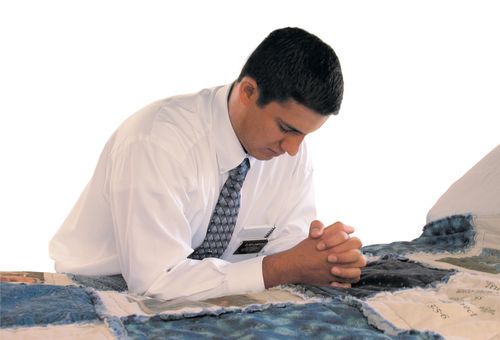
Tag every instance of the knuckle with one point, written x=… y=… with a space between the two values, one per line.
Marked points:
x=334 y=240
x=338 y=225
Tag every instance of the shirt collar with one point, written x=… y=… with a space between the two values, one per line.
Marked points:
x=228 y=148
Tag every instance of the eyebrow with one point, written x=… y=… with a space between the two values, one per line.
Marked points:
x=289 y=127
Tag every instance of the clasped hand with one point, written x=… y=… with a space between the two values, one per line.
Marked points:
x=343 y=251
x=336 y=259
x=329 y=256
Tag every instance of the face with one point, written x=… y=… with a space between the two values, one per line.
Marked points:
x=270 y=131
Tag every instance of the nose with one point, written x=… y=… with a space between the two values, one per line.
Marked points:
x=291 y=143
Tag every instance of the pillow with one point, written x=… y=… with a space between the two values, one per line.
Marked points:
x=477 y=192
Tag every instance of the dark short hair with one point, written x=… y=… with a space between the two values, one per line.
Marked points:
x=294 y=64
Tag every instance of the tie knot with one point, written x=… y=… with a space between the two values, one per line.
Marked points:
x=239 y=173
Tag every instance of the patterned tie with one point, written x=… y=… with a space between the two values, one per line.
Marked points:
x=221 y=226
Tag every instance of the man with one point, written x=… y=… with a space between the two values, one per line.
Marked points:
x=211 y=194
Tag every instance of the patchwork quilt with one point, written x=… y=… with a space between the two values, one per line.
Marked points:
x=444 y=284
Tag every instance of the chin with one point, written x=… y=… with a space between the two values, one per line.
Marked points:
x=264 y=156
x=267 y=158
x=261 y=156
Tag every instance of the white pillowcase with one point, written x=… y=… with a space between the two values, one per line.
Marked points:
x=477 y=192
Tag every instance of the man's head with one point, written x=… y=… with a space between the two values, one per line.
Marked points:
x=287 y=89
x=294 y=64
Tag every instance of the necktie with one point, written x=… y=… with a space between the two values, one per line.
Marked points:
x=223 y=220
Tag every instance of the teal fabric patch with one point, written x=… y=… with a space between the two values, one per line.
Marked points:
x=487 y=261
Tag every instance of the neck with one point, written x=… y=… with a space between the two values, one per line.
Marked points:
x=235 y=110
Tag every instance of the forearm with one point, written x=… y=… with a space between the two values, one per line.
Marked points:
x=300 y=264
x=210 y=278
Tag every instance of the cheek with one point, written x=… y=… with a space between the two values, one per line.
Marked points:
x=262 y=132
x=273 y=134
x=263 y=136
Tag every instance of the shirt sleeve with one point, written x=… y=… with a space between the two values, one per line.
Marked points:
x=148 y=195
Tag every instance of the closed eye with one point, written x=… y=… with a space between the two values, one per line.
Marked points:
x=285 y=128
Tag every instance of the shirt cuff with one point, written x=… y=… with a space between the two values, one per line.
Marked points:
x=245 y=277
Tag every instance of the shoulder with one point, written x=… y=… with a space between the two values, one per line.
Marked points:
x=176 y=124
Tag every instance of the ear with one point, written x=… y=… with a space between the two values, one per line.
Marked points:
x=248 y=91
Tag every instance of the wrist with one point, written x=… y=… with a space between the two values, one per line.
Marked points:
x=276 y=270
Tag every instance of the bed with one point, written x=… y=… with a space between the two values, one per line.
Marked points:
x=443 y=284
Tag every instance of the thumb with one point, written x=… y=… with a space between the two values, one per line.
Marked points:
x=316 y=229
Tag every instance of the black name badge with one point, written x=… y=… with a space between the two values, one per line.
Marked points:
x=250 y=247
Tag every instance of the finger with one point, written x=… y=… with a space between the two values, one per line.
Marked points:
x=352 y=257
x=351 y=243
x=341 y=226
x=334 y=234
x=359 y=263
x=349 y=275
x=316 y=229
x=340 y=284
x=332 y=239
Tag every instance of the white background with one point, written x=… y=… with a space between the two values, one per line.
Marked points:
x=421 y=99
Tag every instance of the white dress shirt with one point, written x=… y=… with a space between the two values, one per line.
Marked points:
x=149 y=203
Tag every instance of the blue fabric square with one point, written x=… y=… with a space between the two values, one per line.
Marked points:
x=335 y=320
x=452 y=234
x=40 y=305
